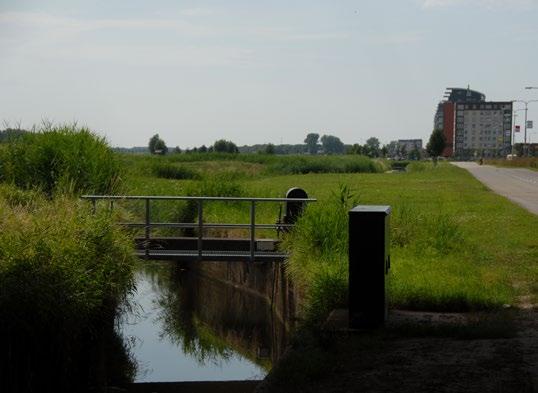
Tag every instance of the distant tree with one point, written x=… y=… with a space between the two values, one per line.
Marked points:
x=372 y=146
x=393 y=149
x=436 y=145
x=414 y=154
x=224 y=146
x=311 y=141
x=177 y=150
x=332 y=144
x=355 y=149
x=11 y=133
x=202 y=149
x=384 y=151
x=269 y=149
x=157 y=145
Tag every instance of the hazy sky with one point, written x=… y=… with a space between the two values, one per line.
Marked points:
x=256 y=72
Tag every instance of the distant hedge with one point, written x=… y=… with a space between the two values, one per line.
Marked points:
x=64 y=159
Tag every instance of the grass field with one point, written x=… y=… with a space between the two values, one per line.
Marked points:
x=455 y=245
x=520 y=162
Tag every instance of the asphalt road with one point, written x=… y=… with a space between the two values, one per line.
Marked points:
x=517 y=184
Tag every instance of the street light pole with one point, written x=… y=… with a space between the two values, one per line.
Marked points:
x=525 y=147
x=513 y=141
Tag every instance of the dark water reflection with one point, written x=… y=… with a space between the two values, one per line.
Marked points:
x=186 y=327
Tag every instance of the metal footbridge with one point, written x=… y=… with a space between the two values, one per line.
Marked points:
x=193 y=244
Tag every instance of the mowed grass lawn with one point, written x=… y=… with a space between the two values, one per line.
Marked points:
x=455 y=244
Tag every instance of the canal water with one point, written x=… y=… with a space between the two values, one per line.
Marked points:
x=184 y=327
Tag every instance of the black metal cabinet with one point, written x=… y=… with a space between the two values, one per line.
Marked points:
x=369 y=263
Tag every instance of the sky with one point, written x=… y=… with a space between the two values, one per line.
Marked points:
x=258 y=72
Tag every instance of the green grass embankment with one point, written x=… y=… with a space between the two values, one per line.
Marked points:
x=455 y=245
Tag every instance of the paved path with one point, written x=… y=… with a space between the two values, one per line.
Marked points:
x=518 y=184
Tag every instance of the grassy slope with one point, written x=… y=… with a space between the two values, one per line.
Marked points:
x=459 y=245
x=494 y=251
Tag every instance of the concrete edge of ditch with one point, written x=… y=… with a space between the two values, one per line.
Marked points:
x=191 y=387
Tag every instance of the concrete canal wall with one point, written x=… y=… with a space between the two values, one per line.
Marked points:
x=266 y=280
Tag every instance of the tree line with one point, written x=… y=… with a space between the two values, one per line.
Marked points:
x=313 y=144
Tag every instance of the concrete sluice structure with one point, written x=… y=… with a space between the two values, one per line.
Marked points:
x=250 y=306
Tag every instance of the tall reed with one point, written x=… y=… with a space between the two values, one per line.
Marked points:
x=62 y=159
x=63 y=273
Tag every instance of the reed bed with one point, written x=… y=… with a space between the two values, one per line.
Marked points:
x=61 y=159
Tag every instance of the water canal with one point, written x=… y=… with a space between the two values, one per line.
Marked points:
x=184 y=326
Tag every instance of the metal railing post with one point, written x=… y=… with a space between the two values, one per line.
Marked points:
x=200 y=228
x=147 y=227
x=252 y=229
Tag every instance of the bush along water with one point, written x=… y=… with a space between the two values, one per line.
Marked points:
x=62 y=278
x=63 y=159
x=318 y=247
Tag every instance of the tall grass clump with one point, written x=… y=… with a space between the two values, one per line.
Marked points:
x=290 y=165
x=63 y=274
x=319 y=247
x=63 y=159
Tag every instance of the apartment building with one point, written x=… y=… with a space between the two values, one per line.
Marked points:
x=474 y=127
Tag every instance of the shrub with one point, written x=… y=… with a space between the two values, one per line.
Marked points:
x=63 y=272
x=61 y=159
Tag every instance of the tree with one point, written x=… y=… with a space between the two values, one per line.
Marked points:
x=269 y=149
x=384 y=151
x=414 y=154
x=202 y=149
x=393 y=149
x=372 y=147
x=311 y=141
x=224 y=146
x=157 y=145
x=436 y=144
x=177 y=150
x=403 y=151
x=11 y=133
x=332 y=144
x=354 y=149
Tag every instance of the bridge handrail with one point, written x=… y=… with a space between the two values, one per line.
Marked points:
x=147 y=225
x=196 y=198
